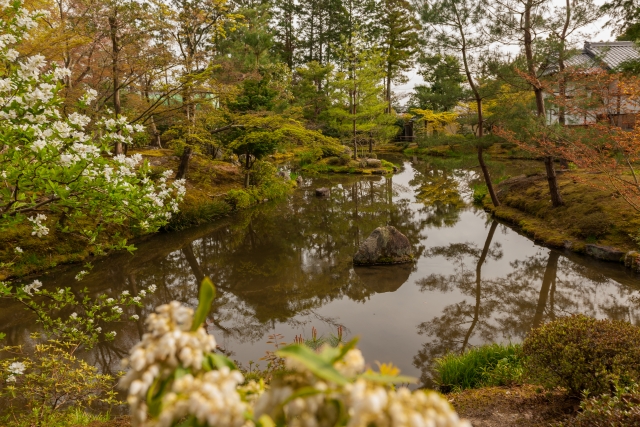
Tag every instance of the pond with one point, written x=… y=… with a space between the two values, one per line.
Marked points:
x=285 y=267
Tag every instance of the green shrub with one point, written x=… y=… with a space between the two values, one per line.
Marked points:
x=333 y=161
x=581 y=353
x=239 y=199
x=475 y=367
x=508 y=371
x=309 y=156
x=331 y=150
x=433 y=141
x=621 y=409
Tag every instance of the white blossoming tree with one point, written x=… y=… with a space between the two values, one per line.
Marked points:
x=54 y=173
x=176 y=379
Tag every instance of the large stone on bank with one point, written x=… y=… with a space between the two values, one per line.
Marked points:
x=322 y=192
x=385 y=245
x=374 y=163
x=607 y=253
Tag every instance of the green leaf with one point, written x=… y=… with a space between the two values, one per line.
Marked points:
x=265 y=421
x=345 y=348
x=312 y=361
x=303 y=392
x=218 y=361
x=207 y=294
x=387 y=379
x=154 y=395
x=189 y=422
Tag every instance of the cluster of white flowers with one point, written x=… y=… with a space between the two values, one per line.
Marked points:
x=168 y=344
x=38 y=228
x=32 y=287
x=211 y=397
x=372 y=404
x=18 y=250
x=216 y=398
x=15 y=368
x=81 y=275
x=45 y=152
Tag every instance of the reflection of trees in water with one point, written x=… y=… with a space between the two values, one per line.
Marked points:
x=276 y=263
x=507 y=307
x=439 y=190
x=458 y=322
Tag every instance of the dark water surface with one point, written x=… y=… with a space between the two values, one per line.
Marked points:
x=285 y=267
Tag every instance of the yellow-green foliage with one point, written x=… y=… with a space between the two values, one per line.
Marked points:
x=36 y=387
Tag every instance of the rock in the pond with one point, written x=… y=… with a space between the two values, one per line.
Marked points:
x=299 y=180
x=607 y=253
x=385 y=245
x=374 y=163
x=322 y=192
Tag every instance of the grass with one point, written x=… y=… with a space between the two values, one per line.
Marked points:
x=76 y=417
x=493 y=364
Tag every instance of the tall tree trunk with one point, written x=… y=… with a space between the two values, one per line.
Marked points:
x=556 y=198
x=388 y=93
x=184 y=163
x=115 y=51
x=157 y=141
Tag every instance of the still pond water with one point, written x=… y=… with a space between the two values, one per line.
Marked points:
x=285 y=267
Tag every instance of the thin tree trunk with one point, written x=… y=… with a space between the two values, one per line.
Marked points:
x=476 y=93
x=184 y=163
x=115 y=50
x=556 y=198
x=554 y=191
x=247 y=165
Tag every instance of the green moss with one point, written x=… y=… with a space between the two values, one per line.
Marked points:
x=589 y=214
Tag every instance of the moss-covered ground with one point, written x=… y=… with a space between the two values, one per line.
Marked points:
x=590 y=214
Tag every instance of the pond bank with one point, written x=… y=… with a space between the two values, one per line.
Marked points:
x=592 y=221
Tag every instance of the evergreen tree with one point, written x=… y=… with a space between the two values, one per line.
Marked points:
x=444 y=81
x=396 y=30
x=358 y=109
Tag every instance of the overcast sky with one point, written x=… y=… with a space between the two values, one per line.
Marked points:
x=593 y=33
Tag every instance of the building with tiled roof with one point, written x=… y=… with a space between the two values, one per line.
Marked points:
x=608 y=56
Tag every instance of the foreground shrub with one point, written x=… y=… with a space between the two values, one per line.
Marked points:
x=40 y=387
x=174 y=377
x=493 y=364
x=581 y=353
x=620 y=410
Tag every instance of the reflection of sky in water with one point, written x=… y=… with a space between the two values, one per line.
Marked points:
x=285 y=267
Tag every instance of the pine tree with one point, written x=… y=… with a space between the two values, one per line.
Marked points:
x=396 y=30
x=358 y=111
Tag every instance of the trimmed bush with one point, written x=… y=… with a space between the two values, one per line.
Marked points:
x=582 y=353
x=493 y=364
